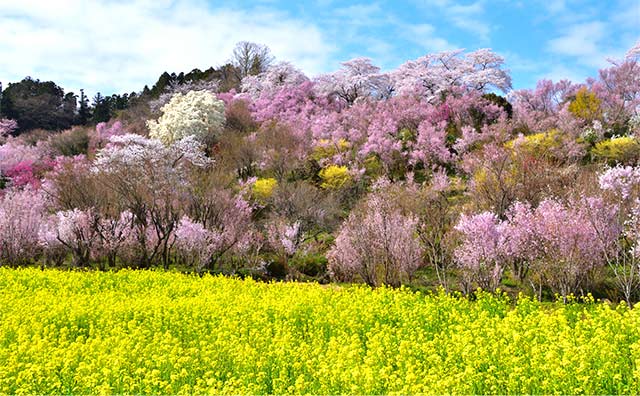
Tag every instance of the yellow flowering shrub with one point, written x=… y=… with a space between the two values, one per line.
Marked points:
x=327 y=148
x=586 y=105
x=625 y=149
x=334 y=176
x=146 y=332
x=263 y=188
x=539 y=145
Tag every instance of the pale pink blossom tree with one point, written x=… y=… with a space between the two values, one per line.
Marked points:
x=7 y=126
x=22 y=213
x=377 y=243
x=282 y=75
x=357 y=79
x=150 y=180
x=481 y=256
x=432 y=75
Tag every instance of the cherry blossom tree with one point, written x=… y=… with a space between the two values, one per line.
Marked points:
x=282 y=75
x=13 y=152
x=570 y=244
x=285 y=238
x=22 y=213
x=114 y=233
x=358 y=78
x=7 y=126
x=73 y=229
x=618 y=87
x=634 y=52
x=539 y=109
x=218 y=223
x=149 y=179
x=377 y=243
x=481 y=255
x=195 y=243
x=103 y=132
x=622 y=185
x=434 y=74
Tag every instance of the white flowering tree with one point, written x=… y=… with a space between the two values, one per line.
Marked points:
x=196 y=113
x=357 y=78
x=151 y=181
x=433 y=74
x=276 y=77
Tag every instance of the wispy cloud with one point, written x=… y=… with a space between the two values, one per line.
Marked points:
x=424 y=35
x=117 y=45
x=468 y=17
x=582 y=42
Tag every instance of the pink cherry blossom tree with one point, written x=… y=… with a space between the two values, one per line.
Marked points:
x=434 y=74
x=377 y=243
x=539 y=109
x=622 y=186
x=7 y=126
x=220 y=224
x=149 y=179
x=481 y=256
x=282 y=75
x=357 y=79
x=22 y=213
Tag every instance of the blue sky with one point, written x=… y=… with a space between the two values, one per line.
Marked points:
x=116 y=46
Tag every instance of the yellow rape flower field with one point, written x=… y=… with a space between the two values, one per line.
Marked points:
x=168 y=333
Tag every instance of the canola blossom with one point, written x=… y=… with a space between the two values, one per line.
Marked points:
x=166 y=333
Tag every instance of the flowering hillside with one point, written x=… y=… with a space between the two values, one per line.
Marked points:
x=434 y=173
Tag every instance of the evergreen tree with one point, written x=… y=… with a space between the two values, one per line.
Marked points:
x=101 y=109
x=84 y=113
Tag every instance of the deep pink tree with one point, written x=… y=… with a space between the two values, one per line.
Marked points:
x=14 y=152
x=23 y=174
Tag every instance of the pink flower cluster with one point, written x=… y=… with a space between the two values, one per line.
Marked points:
x=563 y=242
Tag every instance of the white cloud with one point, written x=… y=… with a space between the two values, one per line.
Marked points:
x=425 y=36
x=559 y=72
x=589 y=43
x=118 y=45
x=581 y=41
x=467 y=17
